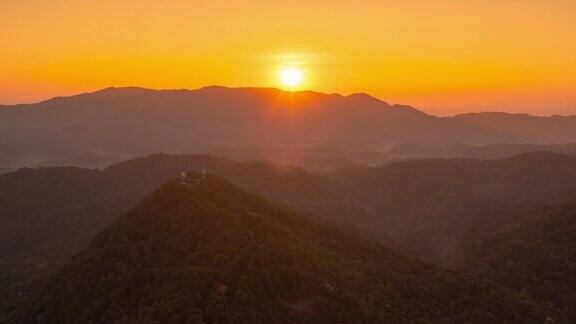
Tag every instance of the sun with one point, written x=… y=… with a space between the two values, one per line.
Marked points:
x=291 y=78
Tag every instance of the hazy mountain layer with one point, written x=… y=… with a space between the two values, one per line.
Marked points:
x=256 y=123
x=456 y=150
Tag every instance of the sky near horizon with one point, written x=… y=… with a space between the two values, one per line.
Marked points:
x=442 y=56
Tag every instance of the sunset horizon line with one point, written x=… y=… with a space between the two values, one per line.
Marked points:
x=272 y=88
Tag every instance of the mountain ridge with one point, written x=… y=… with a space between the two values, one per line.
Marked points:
x=116 y=123
x=199 y=249
x=433 y=209
x=356 y=95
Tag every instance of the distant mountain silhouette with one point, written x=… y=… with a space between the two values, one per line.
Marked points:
x=205 y=251
x=127 y=122
x=523 y=128
x=457 y=150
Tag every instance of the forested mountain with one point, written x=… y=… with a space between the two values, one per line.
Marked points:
x=47 y=214
x=203 y=251
x=438 y=208
x=537 y=258
x=311 y=129
x=292 y=185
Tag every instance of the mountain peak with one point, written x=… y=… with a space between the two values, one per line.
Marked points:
x=201 y=250
x=362 y=97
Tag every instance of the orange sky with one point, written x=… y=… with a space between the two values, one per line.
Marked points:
x=445 y=56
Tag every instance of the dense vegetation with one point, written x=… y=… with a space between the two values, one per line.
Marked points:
x=439 y=208
x=537 y=258
x=451 y=212
x=48 y=214
x=208 y=252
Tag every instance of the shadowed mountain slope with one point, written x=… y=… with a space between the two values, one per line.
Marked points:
x=438 y=208
x=47 y=214
x=537 y=258
x=205 y=251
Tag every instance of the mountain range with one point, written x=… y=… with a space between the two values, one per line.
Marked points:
x=47 y=214
x=304 y=207
x=305 y=128
x=200 y=250
x=445 y=212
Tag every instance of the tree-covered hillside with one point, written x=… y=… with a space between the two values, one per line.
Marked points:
x=204 y=251
x=537 y=258
x=48 y=214
x=439 y=208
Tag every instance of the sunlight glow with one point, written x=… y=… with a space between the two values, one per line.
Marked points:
x=291 y=77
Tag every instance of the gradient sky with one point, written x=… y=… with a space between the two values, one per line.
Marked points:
x=440 y=55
